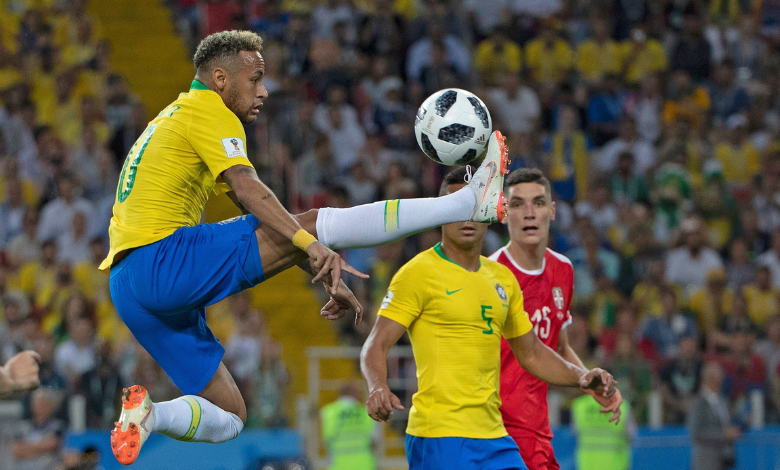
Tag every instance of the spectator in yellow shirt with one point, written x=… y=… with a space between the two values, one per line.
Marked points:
x=89 y=279
x=646 y=295
x=641 y=56
x=599 y=55
x=712 y=301
x=762 y=298
x=548 y=56
x=686 y=101
x=497 y=55
x=34 y=276
x=739 y=158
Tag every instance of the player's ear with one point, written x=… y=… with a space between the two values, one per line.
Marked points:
x=552 y=210
x=219 y=75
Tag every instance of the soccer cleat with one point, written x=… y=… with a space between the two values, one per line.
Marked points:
x=134 y=426
x=488 y=182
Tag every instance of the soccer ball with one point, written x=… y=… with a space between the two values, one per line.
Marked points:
x=452 y=126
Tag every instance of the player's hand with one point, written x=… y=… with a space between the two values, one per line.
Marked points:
x=381 y=403
x=326 y=262
x=599 y=381
x=20 y=373
x=341 y=301
x=611 y=404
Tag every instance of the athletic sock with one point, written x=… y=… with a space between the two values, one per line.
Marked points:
x=195 y=419
x=387 y=221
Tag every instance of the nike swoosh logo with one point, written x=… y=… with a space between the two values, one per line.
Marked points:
x=493 y=170
x=143 y=421
x=449 y=292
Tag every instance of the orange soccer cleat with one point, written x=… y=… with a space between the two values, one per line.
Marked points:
x=134 y=426
x=488 y=181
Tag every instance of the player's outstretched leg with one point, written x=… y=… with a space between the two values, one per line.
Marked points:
x=387 y=221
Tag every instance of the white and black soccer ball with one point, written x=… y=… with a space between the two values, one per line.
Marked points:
x=452 y=126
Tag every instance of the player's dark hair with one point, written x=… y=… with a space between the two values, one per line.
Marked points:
x=455 y=176
x=224 y=46
x=528 y=175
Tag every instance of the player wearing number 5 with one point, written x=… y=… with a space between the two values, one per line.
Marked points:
x=456 y=306
x=547 y=281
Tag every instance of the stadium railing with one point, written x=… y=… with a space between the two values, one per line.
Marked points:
x=389 y=451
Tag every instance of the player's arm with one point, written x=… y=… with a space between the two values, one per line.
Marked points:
x=566 y=351
x=543 y=363
x=373 y=364
x=257 y=199
x=20 y=373
x=234 y=198
x=611 y=404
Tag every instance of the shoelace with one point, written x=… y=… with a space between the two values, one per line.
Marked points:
x=467 y=176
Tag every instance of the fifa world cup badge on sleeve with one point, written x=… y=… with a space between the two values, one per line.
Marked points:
x=386 y=301
x=234 y=147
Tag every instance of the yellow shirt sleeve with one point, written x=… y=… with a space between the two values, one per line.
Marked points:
x=405 y=297
x=564 y=53
x=532 y=56
x=483 y=55
x=586 y=62
x=753 y=160
x=517 y=321
x=218 y=138
x=659 y=61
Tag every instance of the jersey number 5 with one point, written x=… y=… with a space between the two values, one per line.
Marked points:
x=127 y=178
x=539 y=316
x=488 y=319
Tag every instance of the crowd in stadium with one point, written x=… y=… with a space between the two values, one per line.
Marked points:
x=658 y=124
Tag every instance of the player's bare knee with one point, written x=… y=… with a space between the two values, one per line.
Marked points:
x=241 y=412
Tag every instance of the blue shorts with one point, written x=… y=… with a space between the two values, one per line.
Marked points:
x=161 y=292
x=460 y=453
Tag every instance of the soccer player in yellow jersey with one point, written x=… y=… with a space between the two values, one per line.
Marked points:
x=456 y=306
x=165 y=268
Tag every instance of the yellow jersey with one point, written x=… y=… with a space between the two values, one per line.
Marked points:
x=455 y=320
x=173 y=167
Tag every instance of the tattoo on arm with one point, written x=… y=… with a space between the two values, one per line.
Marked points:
x=267 y=196
x=231 y=173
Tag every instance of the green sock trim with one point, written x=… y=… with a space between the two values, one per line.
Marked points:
x=195 y=423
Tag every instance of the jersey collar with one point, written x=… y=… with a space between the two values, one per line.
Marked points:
x=440 y=252
x=198 y=85
x=534 y=272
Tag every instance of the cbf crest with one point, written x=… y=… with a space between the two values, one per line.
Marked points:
x=557 y=294
x=501 y=292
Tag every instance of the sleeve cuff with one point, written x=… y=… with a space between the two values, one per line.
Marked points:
x=403 y=318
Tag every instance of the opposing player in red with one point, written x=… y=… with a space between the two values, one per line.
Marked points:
x=547 y=281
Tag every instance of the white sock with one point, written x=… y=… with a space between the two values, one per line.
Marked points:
x=195 y=419
x=387 y=221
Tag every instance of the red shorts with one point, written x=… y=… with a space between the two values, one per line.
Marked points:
x=537 y=453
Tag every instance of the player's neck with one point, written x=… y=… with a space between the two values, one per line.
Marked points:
x=528 y=257
x=467 y=259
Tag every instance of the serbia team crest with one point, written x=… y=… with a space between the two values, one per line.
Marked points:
x=557 y=294
x=501 y=292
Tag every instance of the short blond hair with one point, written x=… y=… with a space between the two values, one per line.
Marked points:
x=224 y=46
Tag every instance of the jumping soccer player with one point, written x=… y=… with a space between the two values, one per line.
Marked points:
x=547 y=281
x=165 y=268
x=456 y=306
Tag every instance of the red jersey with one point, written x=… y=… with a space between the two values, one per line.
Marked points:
x=547 y=293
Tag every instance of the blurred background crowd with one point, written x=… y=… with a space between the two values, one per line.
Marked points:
x=657 y=122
